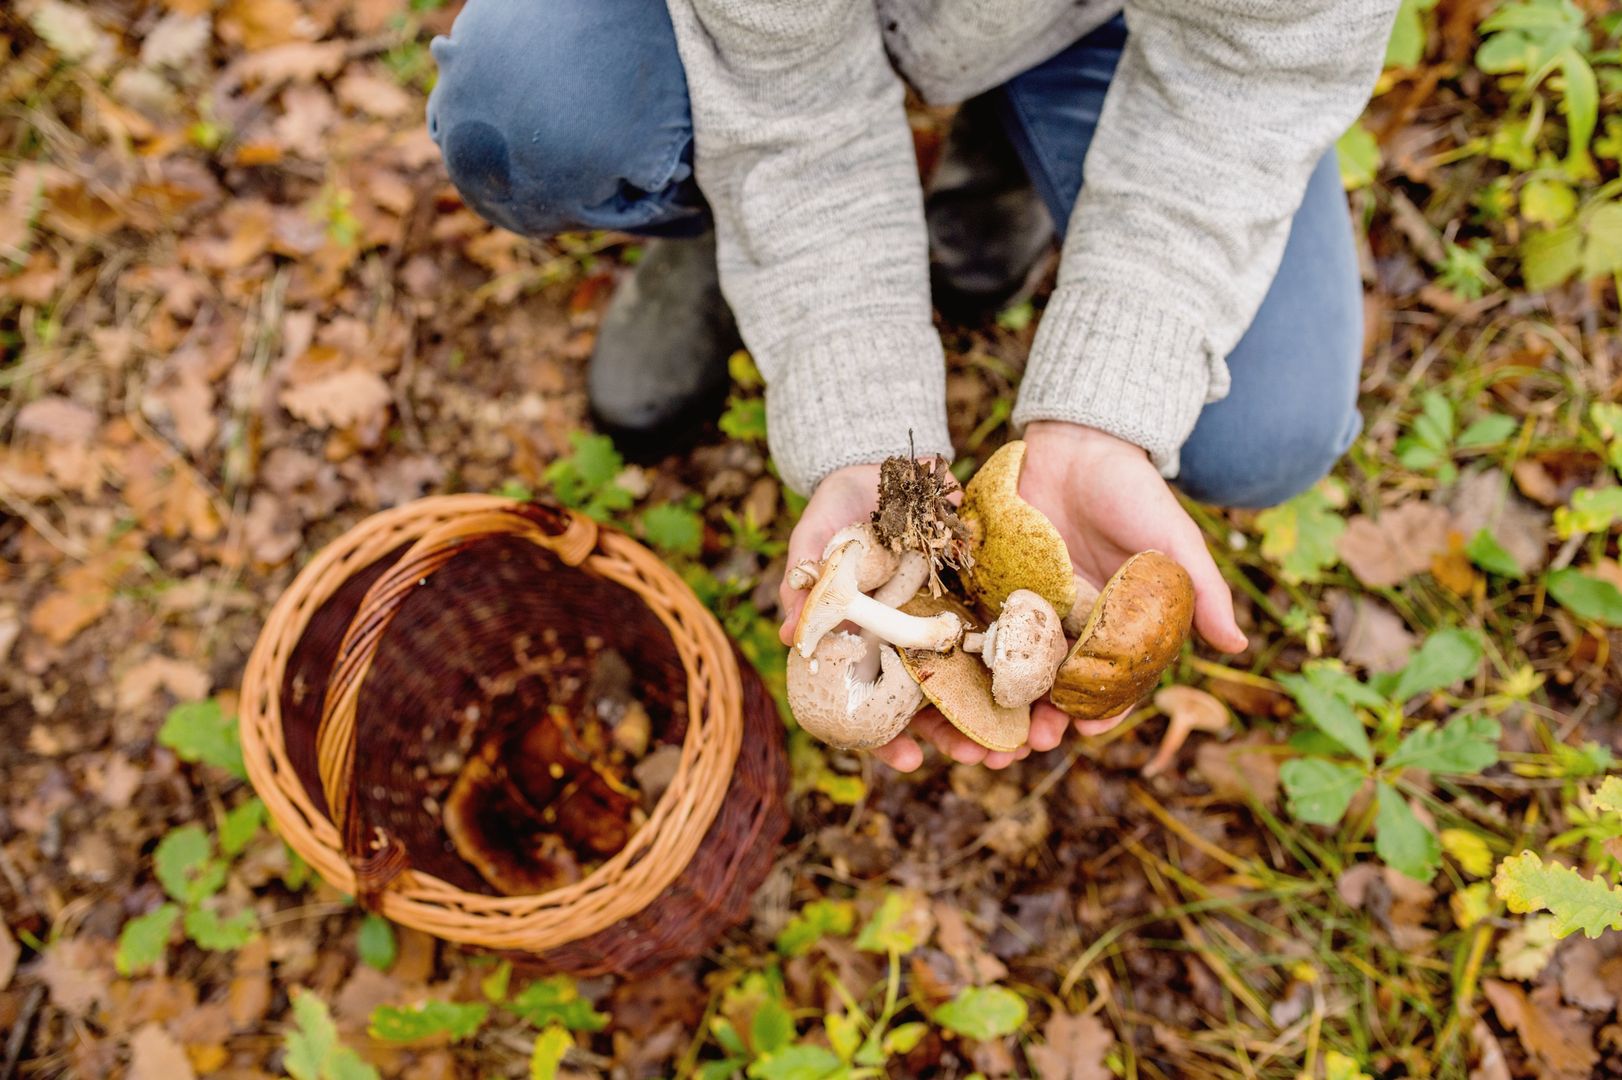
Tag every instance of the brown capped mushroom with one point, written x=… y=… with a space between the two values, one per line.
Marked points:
x=836 y=598
x=960 y=686
x=1015 y=545
x=1023 y=647
x=1136 y=629
x=851 y=693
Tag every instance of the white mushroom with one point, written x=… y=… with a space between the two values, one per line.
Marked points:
x=835 y=598
x=851 y=693
x=1023 y=648
x=878 y=562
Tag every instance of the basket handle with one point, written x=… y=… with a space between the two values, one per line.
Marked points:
x=376 y=857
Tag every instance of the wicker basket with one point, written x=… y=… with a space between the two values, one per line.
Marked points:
x=381 y=659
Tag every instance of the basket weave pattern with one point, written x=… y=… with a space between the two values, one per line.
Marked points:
x=384 y=645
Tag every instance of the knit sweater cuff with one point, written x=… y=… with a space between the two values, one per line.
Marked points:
x=851 y=397
x=1108 y=360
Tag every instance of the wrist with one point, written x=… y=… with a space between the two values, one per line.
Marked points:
x=1062 y=435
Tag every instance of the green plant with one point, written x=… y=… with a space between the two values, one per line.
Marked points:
x=585 y=479
x=312 y=1050
x=1534 y=39
x=1434 y=437
x=1300 y=535
x=1339 y=755
x=1525 y=882
x=200 y=732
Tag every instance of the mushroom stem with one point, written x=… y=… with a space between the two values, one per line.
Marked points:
x=937 y=633
x=976 y=641
x=904 y=584
x=802 y=575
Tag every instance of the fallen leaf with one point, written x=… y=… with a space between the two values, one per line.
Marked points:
x=184 y=681
x=56 y=418
x=73 y=33
x=1073 y=1048
x=155 y=1055
x=1393 y=548
x=10 y=952
x=1538 y=484
x=377 y=96
x=346 y=399
x=249 y=995
x=1526 y=949
x=1580 y=979
x=1557 y=1038
x=1490 y=1062
x=177 y=40
x=1371 y=635
x=1237 y=770
x=261 y=24
x=1484 y=500
x=964 y=946
x=77 y=972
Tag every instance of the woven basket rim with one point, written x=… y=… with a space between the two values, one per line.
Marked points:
x=622 y=885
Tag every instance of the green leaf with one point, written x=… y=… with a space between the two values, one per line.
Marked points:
x=1406 y=46
x=1330 y=715
x=456 y=1020
x=1359 y=157
x=1592 y=510
x=843 y=790
x=555 y=1000
x=1401 y=839
x=200 y=732
x=585 y=479
x=1581 y=98
x=1526 y=883
x=1609 y=796
x=241 y=824
x=1551 y=258
x=1447 y=657
x=145 y=939
x=745 y=419
x=892 y=927
x=550 y=1047
x=1319 y=791
x=1602 y=248
x=1486 y=552
x=1335 y=679
x=814 y=921
x=184 y=864
x=1586 y=597
x=1300 y=535
x=724 y=1069
x=673 y=529
x=1489 y=430
x=983 y=1012
x=1469 y=849
x=375 y=943
x=799 y=1062
x=904 y=1038
x=844 y=1034
x=1579 y=762
x=1466 y=745
x=1548 y=202
x=209 y=931
x=312 y=1049
x=772 y=1027
x=1338 y=1066
x=494 y=985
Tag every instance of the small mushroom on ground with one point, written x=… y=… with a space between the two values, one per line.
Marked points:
x=1023 y=647
x=1136 y=628
x=1015 y=545
x=1191 y=710
x=836 y=598
x=960 y=686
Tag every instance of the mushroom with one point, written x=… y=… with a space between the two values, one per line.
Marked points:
x=1191 y=710
x=835 y=598
x=1016 y=546
x=1135 y=630
x=960 y=686
x=878 y=563
x=835 y=696
x=1023 y=647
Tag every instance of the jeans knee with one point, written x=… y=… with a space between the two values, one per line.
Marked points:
x=1271 y=460
x=560 y=116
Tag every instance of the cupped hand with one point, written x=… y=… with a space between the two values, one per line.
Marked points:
x=1109 y=502
x=844 y=497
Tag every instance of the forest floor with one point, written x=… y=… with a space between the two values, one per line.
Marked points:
x=241 y=309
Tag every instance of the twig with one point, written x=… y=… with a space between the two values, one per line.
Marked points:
x=20 y=1032
x=55 y=537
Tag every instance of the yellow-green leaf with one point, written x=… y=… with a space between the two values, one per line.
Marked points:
x=1526 y=883
x=550 y=1046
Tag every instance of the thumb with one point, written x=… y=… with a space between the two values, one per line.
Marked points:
x=1213 y=601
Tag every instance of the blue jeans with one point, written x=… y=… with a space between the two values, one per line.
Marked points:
x=573 y=114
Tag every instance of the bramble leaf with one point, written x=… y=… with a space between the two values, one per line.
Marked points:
x=240 y=825
x=1331 y=715
x=983 y=1012
x=550 y=1046
x=1446 y=657
x=200 y=732
x=673 y=529
x=145 y=938
x=1300 y=535
x=798 y=1062
x=457 y=1020
x=209 y=931
x=814 y=921
x=1465 y=744
x=1486 y=552
x=313 y=1051
x=1585 y=596
x=1526 y=883
x=185 y=867
x=555 y=1000
x=1401 y=839
x=1319 y=791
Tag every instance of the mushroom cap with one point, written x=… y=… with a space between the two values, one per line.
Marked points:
x=832 y=703
x=1137 y=627
x=877 y=564
x=1024 y=649
x=1016 y=547
x=959 y=685
x=825 y=607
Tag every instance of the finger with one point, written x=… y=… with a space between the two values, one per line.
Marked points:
x=1048 y=725
x=1098 y=727
x=902 y=753
x=951 y=742
x=1213 y=600
x=1000 y=759
x=1022 y=753
x=792 y=600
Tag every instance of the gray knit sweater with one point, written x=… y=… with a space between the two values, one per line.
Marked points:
x=1217 y=115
